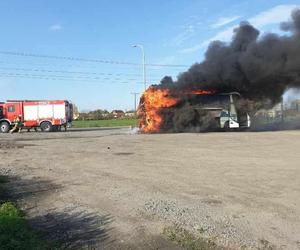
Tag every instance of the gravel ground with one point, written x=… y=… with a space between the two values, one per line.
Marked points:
x=115 y=189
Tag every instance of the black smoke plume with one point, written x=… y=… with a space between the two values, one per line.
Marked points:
x=260 y=68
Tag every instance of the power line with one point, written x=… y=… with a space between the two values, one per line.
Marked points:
x=64 y=78
x=11 y=53
x=93 y=67
x=64 y=58
x=71 y=72
x=55 y=79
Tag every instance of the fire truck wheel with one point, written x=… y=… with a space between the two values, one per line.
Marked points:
x=4 y=127
x=46 y=126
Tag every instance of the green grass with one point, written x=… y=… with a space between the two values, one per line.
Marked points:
x=15 y=233
x=188 y=240
x=105 y=123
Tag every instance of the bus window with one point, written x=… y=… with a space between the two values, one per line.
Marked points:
x=224 y=114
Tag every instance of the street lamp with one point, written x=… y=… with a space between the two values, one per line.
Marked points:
x=144 y=62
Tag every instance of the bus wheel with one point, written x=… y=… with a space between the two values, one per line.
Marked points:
x=226 y=126
x=4 y=127
x=46 y=126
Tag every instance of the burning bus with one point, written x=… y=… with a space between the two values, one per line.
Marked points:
x=167 y=110
x=260 y=68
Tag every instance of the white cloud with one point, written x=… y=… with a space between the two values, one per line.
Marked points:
x=192 y=49
x=55 y=27
x=222 y=21
x=187 y=33
x=274 y=15
x=224 y=35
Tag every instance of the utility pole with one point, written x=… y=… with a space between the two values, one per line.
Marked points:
x=135 y=95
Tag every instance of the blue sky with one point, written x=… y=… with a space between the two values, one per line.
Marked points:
x=174 y=32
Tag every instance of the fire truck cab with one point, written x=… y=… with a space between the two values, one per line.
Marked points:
x=48 y=115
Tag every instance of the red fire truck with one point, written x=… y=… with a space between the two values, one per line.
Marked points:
x=48 y=115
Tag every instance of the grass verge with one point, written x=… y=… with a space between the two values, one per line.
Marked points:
x=15 y=233
x=188 y=240
x=105 y=123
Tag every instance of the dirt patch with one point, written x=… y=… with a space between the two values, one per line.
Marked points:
x=123 y=153
x=235 y=188
x=12 y=145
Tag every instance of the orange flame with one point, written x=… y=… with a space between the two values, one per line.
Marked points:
x=153 y=100
x=201 y=92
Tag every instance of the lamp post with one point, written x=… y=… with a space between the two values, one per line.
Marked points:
x=143 y=61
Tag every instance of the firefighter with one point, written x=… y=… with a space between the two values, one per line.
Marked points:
x=17 y=125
